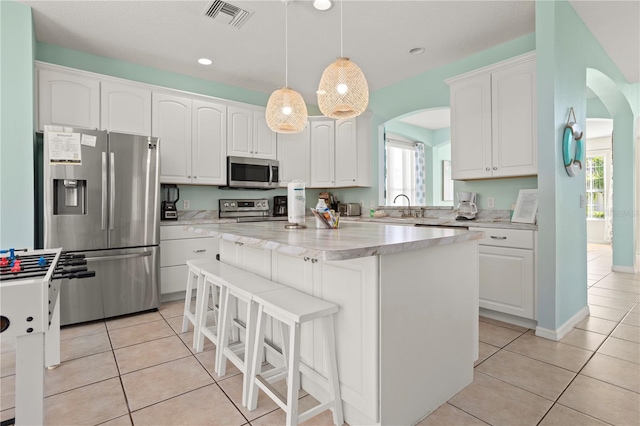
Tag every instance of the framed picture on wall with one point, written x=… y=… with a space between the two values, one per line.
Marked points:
x=447 y=183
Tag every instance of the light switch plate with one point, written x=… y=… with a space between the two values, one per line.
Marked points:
x=491 y=202
x=185 y=204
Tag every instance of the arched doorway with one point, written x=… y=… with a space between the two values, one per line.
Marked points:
x=624 y=221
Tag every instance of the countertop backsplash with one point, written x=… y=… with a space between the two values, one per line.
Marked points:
x=431 y=216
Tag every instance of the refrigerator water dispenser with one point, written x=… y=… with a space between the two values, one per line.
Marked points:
x=69 y=197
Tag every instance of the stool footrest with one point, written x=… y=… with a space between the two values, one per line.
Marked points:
x=303 y=417
x=210 y=333
x=275 y=374
x=276 y=396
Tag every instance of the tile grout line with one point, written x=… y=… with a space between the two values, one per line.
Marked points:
x=582 y=368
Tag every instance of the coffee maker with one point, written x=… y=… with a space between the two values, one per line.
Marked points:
x=467 y=208
x=170 y=196
x=280 y=205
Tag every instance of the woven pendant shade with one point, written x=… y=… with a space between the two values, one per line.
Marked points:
x=286 y=111
x=343 y=91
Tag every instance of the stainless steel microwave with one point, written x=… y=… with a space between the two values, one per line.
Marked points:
x=254 y=173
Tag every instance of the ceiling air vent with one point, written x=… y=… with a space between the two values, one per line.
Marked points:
x=228 y=14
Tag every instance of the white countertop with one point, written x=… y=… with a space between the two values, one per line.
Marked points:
x=350 y=241
x=200 y=217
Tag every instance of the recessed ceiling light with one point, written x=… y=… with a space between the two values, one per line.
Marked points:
x=322 y=4
x=416 y=50
x=205 y=61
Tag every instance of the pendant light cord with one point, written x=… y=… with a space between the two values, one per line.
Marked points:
x=286 y=46
x=341 y=53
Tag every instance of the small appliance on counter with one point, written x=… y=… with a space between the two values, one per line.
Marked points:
x=349 y=209
x=467 y=208
x=280 y=205
x=170 y=196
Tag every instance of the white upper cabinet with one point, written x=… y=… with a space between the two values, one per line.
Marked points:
x=346 y=152
x=340 y=152
x=514 y=120
x=172 y=124
x=192 y=136
x=68 y=99
x=471 y=128
x=209 y=143
x=265 y=139
x=125 y=108
x=248 y=134
x=293 y=156
x=493 y=121
x=322 y=154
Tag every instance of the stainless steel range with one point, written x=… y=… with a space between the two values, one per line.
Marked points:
x=247 y=210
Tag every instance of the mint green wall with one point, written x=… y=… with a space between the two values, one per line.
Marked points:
x=16 y=116
x=596 y=109
x=562 y=80
x=505 y=193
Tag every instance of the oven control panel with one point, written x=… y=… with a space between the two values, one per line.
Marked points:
x=244 y=207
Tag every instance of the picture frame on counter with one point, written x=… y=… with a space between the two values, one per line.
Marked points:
x=526 y=206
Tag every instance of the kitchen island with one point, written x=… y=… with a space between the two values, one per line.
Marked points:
x=407 y=329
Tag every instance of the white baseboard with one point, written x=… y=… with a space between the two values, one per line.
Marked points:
x=511 y=319
x=625 y=269
x=565 y=328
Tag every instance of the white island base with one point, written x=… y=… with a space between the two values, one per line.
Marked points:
x=407 y=329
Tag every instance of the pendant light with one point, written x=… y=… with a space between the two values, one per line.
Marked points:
x=343 y=91
x=286 y=110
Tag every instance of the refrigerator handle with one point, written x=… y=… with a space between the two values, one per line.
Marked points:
x=104 y=191
x=118 y=257
x=112 y=197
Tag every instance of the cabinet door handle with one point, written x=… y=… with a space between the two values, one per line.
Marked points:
x=306 y=259
x=238 y=243
x=314 y=260
x=495 y=168
x=498 y=238
x=488 y=169
x=200 y=250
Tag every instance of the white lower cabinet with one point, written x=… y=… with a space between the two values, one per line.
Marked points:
x=352 y=285
x=507 y=275
x=176 y=247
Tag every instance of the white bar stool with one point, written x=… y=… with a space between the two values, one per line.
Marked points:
x=292 y=308
x=242 y=286
x=194 y=279
x=210 y=285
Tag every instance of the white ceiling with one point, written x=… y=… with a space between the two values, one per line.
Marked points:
x=172 y=35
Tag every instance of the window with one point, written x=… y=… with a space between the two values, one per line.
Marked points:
x=401 y=169
x=595 y=175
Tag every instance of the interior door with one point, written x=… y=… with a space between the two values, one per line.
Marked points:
x=133 y=191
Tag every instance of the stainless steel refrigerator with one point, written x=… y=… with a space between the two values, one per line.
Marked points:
x=101 y=199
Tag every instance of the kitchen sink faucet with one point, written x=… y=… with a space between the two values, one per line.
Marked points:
x=408 y=201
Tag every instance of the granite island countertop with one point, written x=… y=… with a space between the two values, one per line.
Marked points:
x=445 y=222
x=352 y=240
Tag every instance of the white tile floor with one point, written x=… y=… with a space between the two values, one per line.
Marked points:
x=140 y=370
